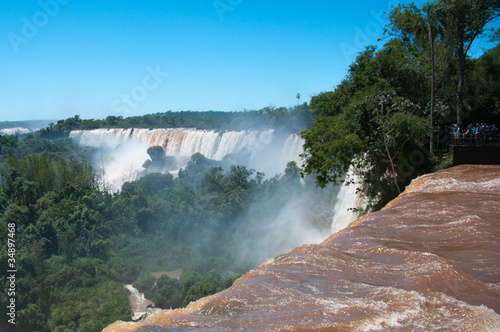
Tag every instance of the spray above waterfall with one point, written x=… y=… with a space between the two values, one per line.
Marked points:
x=122 y=152
x=121 y=155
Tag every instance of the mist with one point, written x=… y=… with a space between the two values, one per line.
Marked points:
x=116 y=158
x=304 y=217
x=121 y=153
x=285 y=211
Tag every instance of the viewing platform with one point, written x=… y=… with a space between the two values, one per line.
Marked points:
x=476 y=150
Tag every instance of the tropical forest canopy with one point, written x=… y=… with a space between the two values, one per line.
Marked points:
x=77 y=244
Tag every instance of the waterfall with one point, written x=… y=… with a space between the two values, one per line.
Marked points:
x=140 y=305
x=294 y=147
x=123 y=151
x=179 y=142
x=16 y=131
x=347 y=199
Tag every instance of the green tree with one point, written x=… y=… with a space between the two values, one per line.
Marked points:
x=159 y=162
x=382 y=113
x=214 y=180
x=464 y=21
x=354 y=128
x=483 y=92
x=145 y=282
x=399 y=129
x=168 y=297
x=198 y=290
x=168 y=293
x=416 y=26
x=292 y=170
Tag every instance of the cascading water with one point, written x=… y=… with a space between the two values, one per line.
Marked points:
x=15 y=131
x=348 y=199
x=123 y=151
x=294 y=147
x=427 y=262
x=140 y=305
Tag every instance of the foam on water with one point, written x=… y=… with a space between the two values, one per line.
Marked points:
x=438 y=272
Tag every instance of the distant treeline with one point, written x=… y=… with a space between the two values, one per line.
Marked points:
x=294 y=119
x=33 y=124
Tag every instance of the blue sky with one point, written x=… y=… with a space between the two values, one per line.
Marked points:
x=95 y=58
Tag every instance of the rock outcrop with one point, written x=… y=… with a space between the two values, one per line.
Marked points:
x=427 y=261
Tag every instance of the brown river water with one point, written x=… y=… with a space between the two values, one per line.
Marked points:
x=429 y=261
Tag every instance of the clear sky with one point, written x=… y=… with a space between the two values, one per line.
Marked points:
x=96 y=58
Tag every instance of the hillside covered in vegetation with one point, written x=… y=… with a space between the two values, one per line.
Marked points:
x=76 y=245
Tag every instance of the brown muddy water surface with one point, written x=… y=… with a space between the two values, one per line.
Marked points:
x=429 y=261
x=176 y=274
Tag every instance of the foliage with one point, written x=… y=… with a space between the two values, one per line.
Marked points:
x=77 y=245
x=169 y=293
x=379 y=118
x=144 y=282
x=291 y=119
x=482 y=96
x=463 y=21
x=159 y=162
x=33 y=124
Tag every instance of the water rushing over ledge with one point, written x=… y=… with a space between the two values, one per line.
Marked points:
x=122 y=152
x=429 y=261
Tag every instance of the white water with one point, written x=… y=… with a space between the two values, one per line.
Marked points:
x=139 y=303
x=179 y=142
x=16 y=131
x=123 y=151
x=348 y=198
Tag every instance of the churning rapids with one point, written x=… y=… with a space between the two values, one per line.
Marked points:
x=429 y=261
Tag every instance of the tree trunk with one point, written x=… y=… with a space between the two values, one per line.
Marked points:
x=461 y=59
x=386 y=143
x=433 y=79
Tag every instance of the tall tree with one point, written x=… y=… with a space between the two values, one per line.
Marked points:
x=433 y=28
x=463 y=22
x=419 y=27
